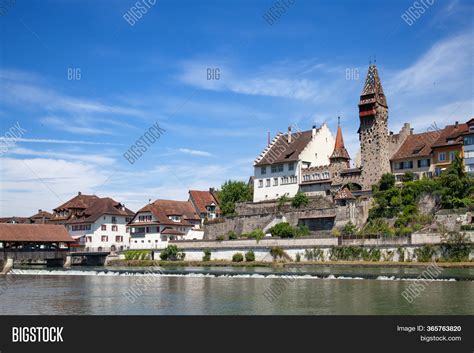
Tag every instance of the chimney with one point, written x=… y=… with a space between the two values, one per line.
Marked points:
x=79 y=193
x=411 y=131
x=268 y=144
x=456 y=124
x=313 y=131
x=289 y=134
x=40 y=210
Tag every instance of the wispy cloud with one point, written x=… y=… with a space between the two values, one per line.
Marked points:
x=195 y=152
x=67 y=142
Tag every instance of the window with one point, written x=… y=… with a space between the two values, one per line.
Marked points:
x=469 y=154
x=114 y=219
x=128 y=219
x=423 y=163
x=442 y=156
x=88 y=239
x=105 y=238
x=274 y=168
x=81 y=227
x=277 y=168
x=144 y=218
x=284 y=180
x=469 y=140
x=291 y=166
x=103 y=227
x=452 y=155
x=175 y=218
x=260 y=183
x=407 y=165
x=118 y=238
x=263 y=170
x=293 y=179
x=325 y=175
x=280 y=167
x=275 y=181
x=267 y=183
x=127 y=229
x=114 y=228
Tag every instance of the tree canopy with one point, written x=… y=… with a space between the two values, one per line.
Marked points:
x=232 y=192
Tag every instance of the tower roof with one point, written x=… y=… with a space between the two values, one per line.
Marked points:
x=339 y=148
x=373 y=91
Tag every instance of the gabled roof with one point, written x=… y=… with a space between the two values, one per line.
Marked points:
x=42 y=214
x=416 y=145
x=201 y=199
x=171 y=231
x=14 y=220
x=34 y=232
x=162 y=209
x=451 y=135
x=344 y=194
x=280 y=151
x=92 y=207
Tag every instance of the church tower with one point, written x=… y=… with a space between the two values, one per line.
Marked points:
x=373 y=130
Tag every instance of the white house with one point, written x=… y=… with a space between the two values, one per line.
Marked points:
x=153 y=226
x=97 y=224
x=278 y=169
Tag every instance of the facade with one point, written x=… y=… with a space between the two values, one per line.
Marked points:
x=468 y=147
x=205 y=204
x=278 y=169
x=96 y=223
x=415 y=156
x=449 y=143
x=154 y=225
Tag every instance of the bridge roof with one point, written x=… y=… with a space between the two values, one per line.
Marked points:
x=41 y=233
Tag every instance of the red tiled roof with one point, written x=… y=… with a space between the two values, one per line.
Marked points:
x=344 y=194
x=201 y=199
x=339 y=148
x=15 y=219
x=92 y=208
x=161 y=209
x=417 y=145
x=281 y=151
x=42 y=214
x=34 y=232
x=451 y=132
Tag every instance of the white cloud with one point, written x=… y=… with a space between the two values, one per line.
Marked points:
x=195 y=152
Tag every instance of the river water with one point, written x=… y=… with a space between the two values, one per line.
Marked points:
x=233 y=291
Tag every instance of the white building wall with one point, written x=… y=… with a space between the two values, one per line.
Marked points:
x=96 y=233
x=317 y=153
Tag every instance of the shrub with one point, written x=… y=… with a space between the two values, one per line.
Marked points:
x=282 y=201
x=298 y=257
x=232 y=235
x=302 y=230
x=467 y=227
x=371 y=255
x=401 y=254
x=299 y=200
x=249 y=256
x=283 y=230
x=220 y=238
x=425 y=253
x=345 y=253
x=277 y=252
x=238 y=257
x=457 y=247
x=137 y=255
x=349 y=229
x=314 y=254
x=207 y=255
x=335 y=232
x=256 y=234
x=171 y=253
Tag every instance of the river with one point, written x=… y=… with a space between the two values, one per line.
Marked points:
x=233 y=291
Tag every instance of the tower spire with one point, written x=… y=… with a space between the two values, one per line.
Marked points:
x=373 y=91
x=339 y=148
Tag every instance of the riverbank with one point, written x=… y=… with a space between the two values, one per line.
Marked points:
x=223 y=263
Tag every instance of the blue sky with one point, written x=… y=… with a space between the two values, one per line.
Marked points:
x=271 y=76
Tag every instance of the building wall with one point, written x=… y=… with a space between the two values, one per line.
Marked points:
x=420 y=171
x=441 y=165
x=316 y=152
x=468 y=152
x=96 y=233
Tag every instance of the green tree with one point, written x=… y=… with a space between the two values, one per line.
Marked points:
x=171 y=253
x=408 y=176
x=456 y=186
x=283 y=230
x=232 y=192
x=299 y=200
x=349 y=229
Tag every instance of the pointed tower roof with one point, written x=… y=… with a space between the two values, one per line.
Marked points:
x=339 y=148
x=373 y=91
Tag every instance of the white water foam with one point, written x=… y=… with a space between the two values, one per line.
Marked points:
x=36 y=272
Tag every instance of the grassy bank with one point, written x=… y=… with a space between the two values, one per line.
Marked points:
x=222 y=263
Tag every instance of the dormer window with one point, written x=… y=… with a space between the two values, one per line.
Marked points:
x=175 y=218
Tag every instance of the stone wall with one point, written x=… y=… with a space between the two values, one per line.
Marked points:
x=262 y=215
x=453 y=219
